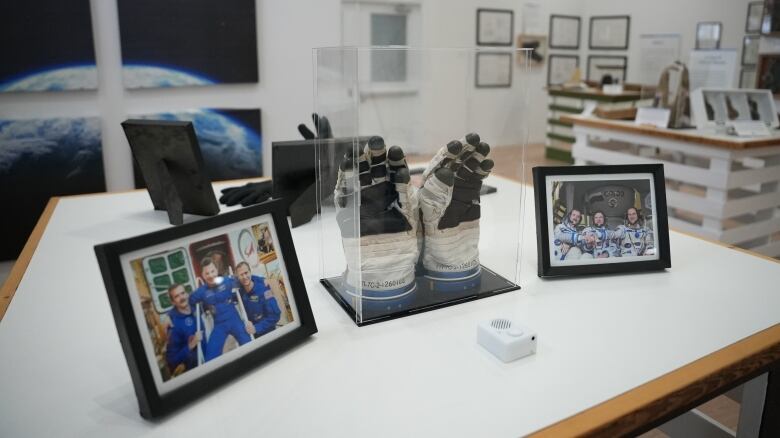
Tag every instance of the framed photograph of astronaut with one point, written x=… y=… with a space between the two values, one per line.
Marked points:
x=200 y=304
x=601 y=219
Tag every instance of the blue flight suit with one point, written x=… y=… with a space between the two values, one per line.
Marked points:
x=178 y=350
x=221 y=299
x=261 y=306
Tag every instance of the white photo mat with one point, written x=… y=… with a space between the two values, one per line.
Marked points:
x=165 y=387
x=606 y=178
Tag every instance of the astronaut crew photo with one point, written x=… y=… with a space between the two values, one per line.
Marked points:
x=203 y=298
x=187 y=344
x=607 y=221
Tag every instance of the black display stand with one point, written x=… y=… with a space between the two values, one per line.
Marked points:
x=169 y=157
x=426 y=297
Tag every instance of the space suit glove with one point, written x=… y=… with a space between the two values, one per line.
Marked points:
x=321 y=125
x=449 y=202
x=248 y=194
x=381 y=259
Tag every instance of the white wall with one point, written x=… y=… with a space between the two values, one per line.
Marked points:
x=289 y=29
x=668 y=16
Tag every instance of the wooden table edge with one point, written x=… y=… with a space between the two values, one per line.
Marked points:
x=8 y=290
x=649 y=405
x=670 y=134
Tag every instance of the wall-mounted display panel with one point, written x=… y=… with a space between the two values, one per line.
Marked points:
x=601 y=65
x=494 y=70
x=564 y=32
x=708 y=35
x=754 y=13
x=747 y=78
x=41 y=158
x=172 y=43
x=609 y=32
x=750 y=50
x=46 y=45
x=495 y=27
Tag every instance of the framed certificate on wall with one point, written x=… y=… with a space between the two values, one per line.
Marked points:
x=564 y=32
x=561 y=68
x=609 y=32
x=495 y=27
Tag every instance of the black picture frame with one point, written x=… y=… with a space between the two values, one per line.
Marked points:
x=751 y=7
x=550 y=60
x=552 y=42
x=745 y=41
x=169 y=158
x=719 y=25
x=482 y=55
x=594 y=22
x=545 y=269
x=150 y=401
x=509 y=37
x=623 y=68
x=770 y=19
x=744 y=81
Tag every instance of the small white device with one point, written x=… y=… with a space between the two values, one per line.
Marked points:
x=506 y=339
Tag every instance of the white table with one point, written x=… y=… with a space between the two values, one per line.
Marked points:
x=62 y=371
x=738 y=178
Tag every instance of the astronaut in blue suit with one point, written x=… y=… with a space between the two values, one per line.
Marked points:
x=183 y=337
x=218 y=296
x=262 y=310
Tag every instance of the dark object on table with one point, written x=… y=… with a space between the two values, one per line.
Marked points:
x=248 y=194
x=172 y=167
x=255 y=193
x=321 y=125
x=294 y=172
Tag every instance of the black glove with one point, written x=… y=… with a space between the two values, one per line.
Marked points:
x=322 y=126
x=248 y=194
x=382 y=174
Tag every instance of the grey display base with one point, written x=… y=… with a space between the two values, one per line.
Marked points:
x=426 y=298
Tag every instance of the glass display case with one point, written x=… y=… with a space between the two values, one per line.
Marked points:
x=419 y=193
